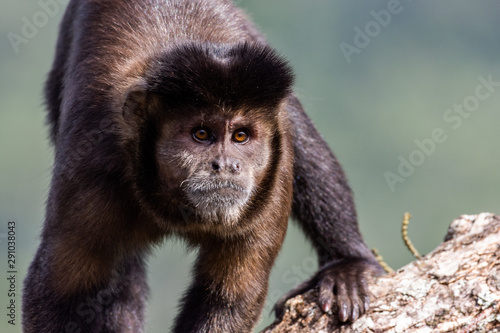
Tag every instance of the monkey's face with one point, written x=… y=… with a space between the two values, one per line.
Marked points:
x=215 y=162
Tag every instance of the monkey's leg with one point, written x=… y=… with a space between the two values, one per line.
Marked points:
x=324 y=207
x=116 y=306
x=127 y=298
x=229 y=288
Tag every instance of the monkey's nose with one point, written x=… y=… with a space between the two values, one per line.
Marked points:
x=216 y=166
x=231 y=166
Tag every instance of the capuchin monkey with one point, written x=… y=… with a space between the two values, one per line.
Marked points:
x=174 y=118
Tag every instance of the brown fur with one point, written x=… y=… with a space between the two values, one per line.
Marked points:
x=131 y=80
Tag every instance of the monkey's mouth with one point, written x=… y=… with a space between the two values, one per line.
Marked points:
x=216 y=194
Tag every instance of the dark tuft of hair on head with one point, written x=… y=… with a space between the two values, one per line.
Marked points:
x=231 y=76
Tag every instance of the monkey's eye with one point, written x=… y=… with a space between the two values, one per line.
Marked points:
x=241 y=135
x=202 y=134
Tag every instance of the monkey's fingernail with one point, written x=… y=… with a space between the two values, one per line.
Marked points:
x=366 y=303
x=343 y=313
x=327 y=306
x=355 y=313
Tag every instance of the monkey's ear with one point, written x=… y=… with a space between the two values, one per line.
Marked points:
x=135 y=102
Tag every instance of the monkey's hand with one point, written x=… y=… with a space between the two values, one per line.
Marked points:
x=342 y=282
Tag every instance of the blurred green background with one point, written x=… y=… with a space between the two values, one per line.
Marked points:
x=372 y=94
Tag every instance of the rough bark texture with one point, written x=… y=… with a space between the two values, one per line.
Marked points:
x=455 y=288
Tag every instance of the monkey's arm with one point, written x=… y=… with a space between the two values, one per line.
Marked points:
x=115 y=306
x=229 y=288
x=88 y=274
x=324 y=207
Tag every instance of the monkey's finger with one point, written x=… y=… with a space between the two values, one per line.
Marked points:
x=356 y=304
x=366 y=303
x=326 y=293
x=362 y=294
x=343 y=301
